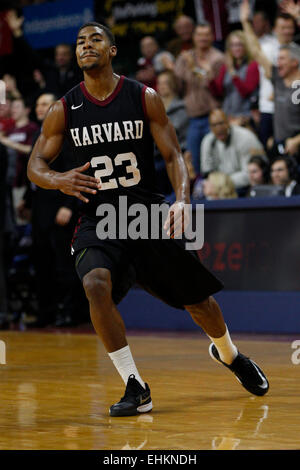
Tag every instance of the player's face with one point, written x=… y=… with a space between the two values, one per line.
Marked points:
x=93 y=49
x=279 y=173
x=255 y=174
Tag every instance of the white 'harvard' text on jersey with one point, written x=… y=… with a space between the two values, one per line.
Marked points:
x=107 y=132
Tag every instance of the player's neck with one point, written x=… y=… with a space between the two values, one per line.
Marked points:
x=101 y=85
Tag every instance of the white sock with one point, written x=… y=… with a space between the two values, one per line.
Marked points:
x=226 y=349
x=125 y=365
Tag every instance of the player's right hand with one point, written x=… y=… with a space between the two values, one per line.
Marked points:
x=74 y=182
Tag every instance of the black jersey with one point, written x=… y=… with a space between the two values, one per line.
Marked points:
x=114 y=136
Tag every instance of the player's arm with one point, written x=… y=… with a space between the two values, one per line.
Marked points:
x=46 y=149
x=165 y=138
x=252 y=40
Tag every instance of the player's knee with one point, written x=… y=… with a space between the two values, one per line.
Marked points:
x=97 y=283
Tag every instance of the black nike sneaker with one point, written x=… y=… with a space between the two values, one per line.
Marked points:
x=250 y=376
x=136 y=400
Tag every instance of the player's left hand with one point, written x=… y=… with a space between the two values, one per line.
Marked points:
x=177 y=219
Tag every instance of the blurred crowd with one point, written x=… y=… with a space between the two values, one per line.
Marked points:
x=233 y=100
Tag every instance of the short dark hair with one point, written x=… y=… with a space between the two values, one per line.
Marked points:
x=204 y=24
x=285 y=16
x=107 y=31
x=291 y=165
x=263 y=13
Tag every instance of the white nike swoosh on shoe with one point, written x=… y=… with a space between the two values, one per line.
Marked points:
x=265 y=383
x=75 y=107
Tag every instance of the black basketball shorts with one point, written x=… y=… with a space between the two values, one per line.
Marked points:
x=164 y=268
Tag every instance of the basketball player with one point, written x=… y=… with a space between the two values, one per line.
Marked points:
x=111 y=123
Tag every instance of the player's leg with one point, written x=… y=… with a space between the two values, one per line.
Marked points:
x=207 y=314
x=110 y=328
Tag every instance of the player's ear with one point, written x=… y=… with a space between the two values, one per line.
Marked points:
x=113 y=51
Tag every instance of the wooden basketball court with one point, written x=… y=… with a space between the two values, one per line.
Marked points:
x=56 y=389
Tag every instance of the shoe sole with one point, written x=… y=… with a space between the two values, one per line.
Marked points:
x=140 y=409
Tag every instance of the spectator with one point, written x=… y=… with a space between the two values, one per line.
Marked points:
x=6 y=121
x=184 y=27
x=238 y=80
x=152 y=62
x=19 y=140
x=261 y=24
x=175 y=109
x=56 y=77
x=4 y=320
x=218 y=185
x=214 y=12
x=284 y=31
x=227 y=148
x=287 y=109
x=284 y=173
x=258 y=172
x=58 y=291
x=194 y=70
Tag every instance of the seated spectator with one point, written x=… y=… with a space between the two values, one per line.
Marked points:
x=284 y=173
x=258 y=172
x=194 y=70
x=218 y=185
x=228 y=148
x=238 y=80
x=283 y=76
x=184 y=28
x=175 y=109
x=152 y=62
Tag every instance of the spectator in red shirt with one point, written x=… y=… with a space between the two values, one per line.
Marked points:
x=18 y=143
x=6 y=121
x=238 y=80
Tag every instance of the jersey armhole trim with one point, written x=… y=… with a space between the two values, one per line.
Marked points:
x=144 y=102
x=65 y=111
